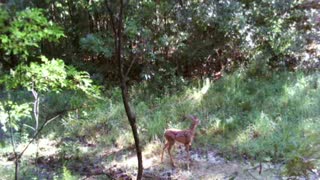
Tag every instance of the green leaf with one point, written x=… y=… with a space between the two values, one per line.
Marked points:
x=26 y=30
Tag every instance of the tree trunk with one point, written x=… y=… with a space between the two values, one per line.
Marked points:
x=16 y=171
x=16 y=157
x=124 y=89
x=132 y=120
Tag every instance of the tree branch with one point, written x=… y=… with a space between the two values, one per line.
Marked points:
x=26 y=125
x=45 y=123
x=36 y=134
x=111 y=17
x=129 y=68
x=11 y=134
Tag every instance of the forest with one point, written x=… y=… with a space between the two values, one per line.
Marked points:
x=159 y=89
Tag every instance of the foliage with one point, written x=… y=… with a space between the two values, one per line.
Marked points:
x=67 y=174
x=4 y=15
x=26 y=30
x=11 y=114
x=49 y=76
x=97 y=45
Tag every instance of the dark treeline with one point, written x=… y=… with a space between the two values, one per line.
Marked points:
x=165 y=39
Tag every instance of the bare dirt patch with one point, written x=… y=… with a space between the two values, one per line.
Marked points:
x=115 y=163
x=205 y=165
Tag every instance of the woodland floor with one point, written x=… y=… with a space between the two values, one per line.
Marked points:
x=120 y=163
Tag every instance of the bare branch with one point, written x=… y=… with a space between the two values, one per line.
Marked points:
x=131 y=64
x=26 y=125
x=111 y=17
x=35 y=135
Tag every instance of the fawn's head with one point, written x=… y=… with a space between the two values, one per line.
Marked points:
x=195 y=120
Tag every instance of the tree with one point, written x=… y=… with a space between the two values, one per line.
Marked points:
x=27 y=73
x=117 y=25
x=22 y=36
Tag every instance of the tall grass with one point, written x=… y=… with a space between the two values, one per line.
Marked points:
x=267 y=117
x=273 y=117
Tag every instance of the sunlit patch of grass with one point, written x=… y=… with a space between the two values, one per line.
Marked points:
x=155 y=125
x=66 y=174
x=45 y=147
x=249 y=140
x=125 y=139
x=6 y=167
x=151 y=154
x=185 y=175
x=216 y=127
x=7 y=172
x=128 y=160
x=153 y=148
x=266 y=118
x=197 y=94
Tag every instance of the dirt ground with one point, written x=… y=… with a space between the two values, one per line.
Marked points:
x=122 y=164
x=206 y=165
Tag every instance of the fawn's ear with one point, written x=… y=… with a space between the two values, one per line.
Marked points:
x=196 y=119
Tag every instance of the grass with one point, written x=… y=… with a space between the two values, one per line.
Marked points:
x=270 y=118
x=266 y=118
x=273 y=117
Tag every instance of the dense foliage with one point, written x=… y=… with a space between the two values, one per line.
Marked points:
x=248 y=68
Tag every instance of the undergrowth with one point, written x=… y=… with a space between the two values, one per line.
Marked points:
x=267 y=118
x=264 y=118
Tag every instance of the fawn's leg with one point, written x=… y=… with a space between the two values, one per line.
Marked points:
x=165 y=146
x=188 y=153
x=169 y=151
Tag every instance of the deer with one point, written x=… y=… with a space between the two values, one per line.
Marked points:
x=182 y=136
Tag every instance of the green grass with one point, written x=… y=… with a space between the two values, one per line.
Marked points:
x=271 y=118
x=266 y=118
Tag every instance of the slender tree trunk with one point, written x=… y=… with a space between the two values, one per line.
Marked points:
x=132 y=121
x=16 y=156
x=16 y=171
x=117 y=28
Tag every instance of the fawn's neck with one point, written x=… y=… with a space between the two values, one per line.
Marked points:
x=193 y=128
